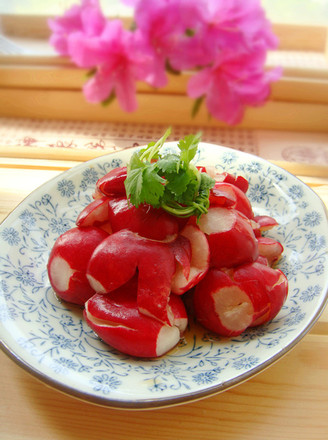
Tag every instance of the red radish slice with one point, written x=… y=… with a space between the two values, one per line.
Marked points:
x=278 y=295
x=235 y=198
x=270 y=249
x=262 y=260
x=155 y=224
x=68 y=262
x=230 y=236
x=256 y=229
x=224 y=197
x=97 y=194
x=265 y=222
x=107 y=227
x=94 y=214
x=260 y=301
x=226 y=307
x=239 y=181
x=181 y=249
x=116 y=260
x=199 y=263
x=118 y=322
x=273 y=280
x=201 y=168
x=179 y=313
x=112 y=184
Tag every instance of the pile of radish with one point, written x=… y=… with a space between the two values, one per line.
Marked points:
x=131 y=267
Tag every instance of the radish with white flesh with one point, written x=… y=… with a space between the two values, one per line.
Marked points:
x=235 y=198
x=230 y=236
x=224 y=197
x=145 y=220
x=262 y=260
x=68 y=261
x=116 y=319
x=129 y=262
x=265 y=222
x=181 y=249
x=112 y=184
x=179 y=312
x=116 y=260
x=273 y=280
x=270 y=249
x=94 y=214
x=226 y=307
x=199 y=262
x=97 y=194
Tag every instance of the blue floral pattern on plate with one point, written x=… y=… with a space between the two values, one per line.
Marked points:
x=50 y=339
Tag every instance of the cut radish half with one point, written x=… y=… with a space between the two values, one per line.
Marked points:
x=230 y=236
x=199 y=263
x=112 y=184
x=239 y=181
x=68 y=261
x=117 y=259
x=226 y=307
x=118 y=322
x=265 y=222
x=94 y=214
x=155 y=224
x=235 y=198
x=270 y=249
x=272 y=280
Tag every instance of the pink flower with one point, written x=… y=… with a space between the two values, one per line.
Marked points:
x=114 y=53
x=226 y=39
x=119 y=64
x=131 y=2
x=85 y=18
x=158 y=24
x=238 y=24
x=234 y=25
x=163 y=26
x=235 y=81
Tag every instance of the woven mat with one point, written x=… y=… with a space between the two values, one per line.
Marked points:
x=308 y=148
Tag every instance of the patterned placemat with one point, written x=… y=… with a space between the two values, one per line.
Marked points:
x=110 y=136
x=311 y=148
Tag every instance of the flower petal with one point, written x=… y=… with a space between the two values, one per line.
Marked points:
x=125 y=89
x=98 y=88
x=86 y=52
x=199 y=84
x=223 y=103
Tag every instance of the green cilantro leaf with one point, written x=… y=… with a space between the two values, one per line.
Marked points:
x=133 y=186
x=177 y=182
x=153 y=187
x=169 y=163
x=169 y=181
x=188 y=147
x=206 y=182
x=144 y=185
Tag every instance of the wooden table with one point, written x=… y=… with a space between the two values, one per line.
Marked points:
x=287 y=401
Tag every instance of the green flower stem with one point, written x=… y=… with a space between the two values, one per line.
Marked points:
x=151 y=152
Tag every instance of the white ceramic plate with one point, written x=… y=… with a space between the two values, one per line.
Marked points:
x=51 y=340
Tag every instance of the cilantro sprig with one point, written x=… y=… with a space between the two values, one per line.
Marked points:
x=169 y=181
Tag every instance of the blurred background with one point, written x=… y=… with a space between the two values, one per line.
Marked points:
x=40 y=92
x=279 y=11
